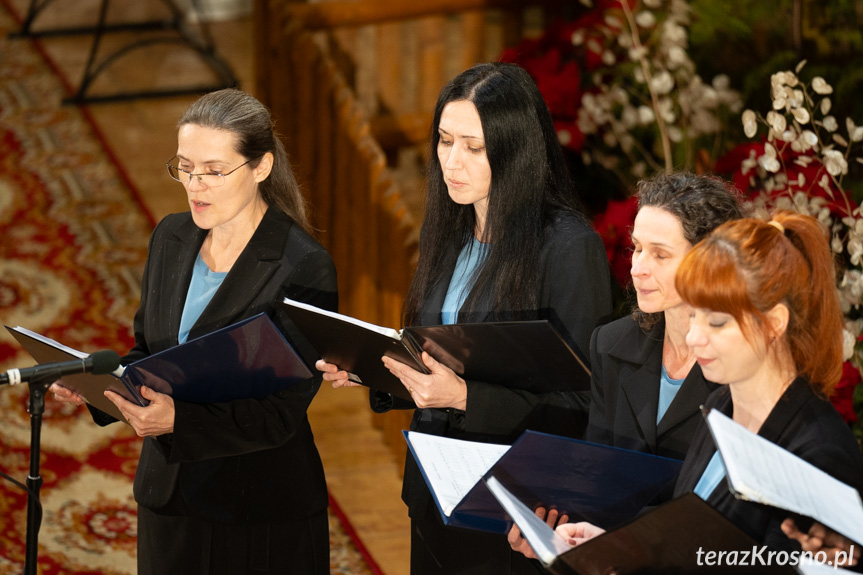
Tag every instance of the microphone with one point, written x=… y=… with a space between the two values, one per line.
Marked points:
x=99 y=363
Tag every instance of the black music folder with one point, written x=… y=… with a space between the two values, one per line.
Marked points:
x=588 y=481
x=680 y=537
x=529 y=355
x=250 y=358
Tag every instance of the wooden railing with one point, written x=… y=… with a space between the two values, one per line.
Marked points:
x=341 y=123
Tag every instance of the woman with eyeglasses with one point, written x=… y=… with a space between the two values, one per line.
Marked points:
x=233 y=487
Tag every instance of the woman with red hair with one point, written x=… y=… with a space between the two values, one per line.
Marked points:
x=766 y=323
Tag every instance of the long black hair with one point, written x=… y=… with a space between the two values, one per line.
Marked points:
x=241 y=114
x=529 y=182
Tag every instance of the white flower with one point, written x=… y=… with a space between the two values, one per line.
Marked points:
x=830 y=124
x=801 y=115
x=835 y=163
x=795 y=97
x=645 y=115
x=776 y=121
x=750 y=126
x=666 y=110
x=629 y=117
x=854 y=132
x=613 y=22
x=810 y=139
x=821 y=86
x=662 y=83
x=636 y=54
x=653 y=3
x=608 y=58
x=855 y=249
x=825 y=106
x=564 y=137
x=675 y=134
x=645 y=19
x=674 y=34
x=848 y=343
x=578 y=37
x=677 y=57
x=769 y=164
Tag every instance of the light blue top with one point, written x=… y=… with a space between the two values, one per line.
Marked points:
x=668 y=388
x=713 y=474
x=201 y=290
x=470 y=258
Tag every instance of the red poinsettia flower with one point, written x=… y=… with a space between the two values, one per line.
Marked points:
x=613 y=226
x=843 y=396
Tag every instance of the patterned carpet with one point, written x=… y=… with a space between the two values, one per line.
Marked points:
x=73 y=244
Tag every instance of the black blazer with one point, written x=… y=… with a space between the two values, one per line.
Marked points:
x=575 y=295
x=626 y=366
x=244 y=460
x=801 y=422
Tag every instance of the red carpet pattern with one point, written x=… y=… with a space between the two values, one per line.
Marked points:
x=74 y=240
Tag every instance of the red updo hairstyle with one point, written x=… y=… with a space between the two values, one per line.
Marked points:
x=746 y=267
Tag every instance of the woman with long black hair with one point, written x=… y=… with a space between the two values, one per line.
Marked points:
x=503 y=239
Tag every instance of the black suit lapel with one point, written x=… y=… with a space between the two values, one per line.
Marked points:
x=186 y=244
x=642 y=398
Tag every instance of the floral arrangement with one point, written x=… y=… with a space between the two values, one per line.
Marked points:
x=625 y=95
x=801 y=164
x=623 y=90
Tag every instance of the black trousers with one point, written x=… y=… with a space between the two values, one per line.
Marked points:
x=172 y=544
x=440 y=550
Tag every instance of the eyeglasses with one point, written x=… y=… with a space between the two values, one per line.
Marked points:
x=209 y=179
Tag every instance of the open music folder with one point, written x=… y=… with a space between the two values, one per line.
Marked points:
x=250 y=358
x=674 y=538
x=588 y=481
x=759 y=470
x=529 y=355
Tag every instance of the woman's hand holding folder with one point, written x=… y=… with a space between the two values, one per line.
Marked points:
x=441 y=387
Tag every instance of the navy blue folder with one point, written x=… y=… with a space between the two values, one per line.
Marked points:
x=589 y=482
x=248 y=359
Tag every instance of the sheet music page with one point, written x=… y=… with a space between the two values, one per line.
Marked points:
x=761 y=471
x=453 y=466
x=51 y=342
x=369 y=326
x=542 y=539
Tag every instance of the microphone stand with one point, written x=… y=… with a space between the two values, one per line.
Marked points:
x=38 y=388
